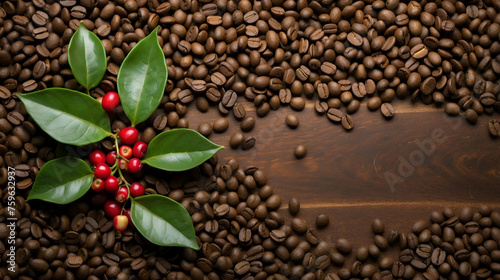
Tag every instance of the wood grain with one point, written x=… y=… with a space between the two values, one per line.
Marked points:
x=345 y=174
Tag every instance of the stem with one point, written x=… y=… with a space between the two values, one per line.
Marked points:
x=125 y=181
x=116 y=167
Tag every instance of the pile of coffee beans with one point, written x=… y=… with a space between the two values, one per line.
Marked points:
x=242 y=235
x=272 y=52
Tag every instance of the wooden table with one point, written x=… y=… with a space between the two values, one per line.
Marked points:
x=399 y=170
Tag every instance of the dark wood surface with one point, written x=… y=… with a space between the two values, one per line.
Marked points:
x=344 y=174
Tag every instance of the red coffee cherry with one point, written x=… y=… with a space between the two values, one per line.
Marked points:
x=134 y=165
x=111 y=184
x=137 y=189
x=102 y=171
x=111 y=158
x=122 y=194
x=120 y=223
x=129 y=135
x=112 y=208
x=110 y=101
x=97 y=157
x=126 y=151
x=140 y=149
x=98 y=185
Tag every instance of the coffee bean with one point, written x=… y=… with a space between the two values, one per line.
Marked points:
x=273 y=202
x=292 y=121
x=294 y=206
x=247 y=124
x=378 y=226
x=242 y=268
x=355 y=39
x=220 y=125
x=343 y=246
x=299 y=225
x=335 y=115
x=471 y=116
x=387 y=110
x=322 y=221
x=452 y=109
x=239 y=111
x=347 y=122
x=300 y=151
x=236 y=140
x=248 y=143
x=494 y=128
x=297 y=103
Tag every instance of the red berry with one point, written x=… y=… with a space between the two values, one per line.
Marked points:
x=129 y=135
x=121 y=195
x=98 y=185
x=126 y=151
x=134 y=165
x=111 y=184
x=112 y=208
x=111 y=158
x=139 y=150
x=98 y=199
x=102 y=171
x=123 y=164
x=120 y=223
x=127 y=213
x=110 y=101
x=137 y=189
x=97 y=157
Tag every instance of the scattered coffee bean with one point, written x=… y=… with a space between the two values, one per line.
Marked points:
x=300 y=151
x=322 y=221
x=220 y=125
x=294 y=206
x=292 y=121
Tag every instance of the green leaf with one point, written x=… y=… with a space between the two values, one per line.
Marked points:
x=179 y=149
x=163 y=221
x=62 y=181
x=68 y=116
x=142 y=78
x=87 y=58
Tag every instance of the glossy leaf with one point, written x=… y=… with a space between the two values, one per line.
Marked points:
x=179 y=149
x=69 y=116
x=163 y=221
x=87 y=58
x=62 y=181
x=142 y=78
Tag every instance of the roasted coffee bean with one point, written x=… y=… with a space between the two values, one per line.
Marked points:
x=292 y=121
x=378 y=226
x=297 y=103
x=347 y=122
x=248 y=143
x=387 y=110
x=494 y=128
x=239 y=111
x=322 y=221
x=294 y=206
x=220 y=125
x=247 y=123
x=335 y=115
x=343 y=246
x=300 y=151
x=236 y=140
